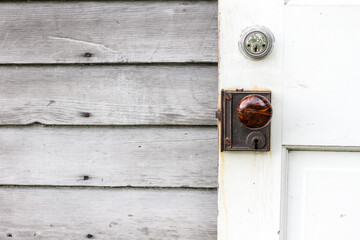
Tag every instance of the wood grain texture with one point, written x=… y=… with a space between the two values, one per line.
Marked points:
x=107 y=214
x=108 y=32
x=109 y=95
x=107 y=156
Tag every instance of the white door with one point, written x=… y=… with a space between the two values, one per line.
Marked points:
x=308 y=186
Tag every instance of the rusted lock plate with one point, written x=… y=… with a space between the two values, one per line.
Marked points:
x=245 y=120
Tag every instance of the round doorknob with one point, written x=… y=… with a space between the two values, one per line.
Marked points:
x=254 y=111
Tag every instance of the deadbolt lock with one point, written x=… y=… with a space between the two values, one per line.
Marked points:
x=256 y=42
x=245 y=120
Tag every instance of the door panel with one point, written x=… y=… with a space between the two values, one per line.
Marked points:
x=322 y=2
x=321 y=73
x=323 y=195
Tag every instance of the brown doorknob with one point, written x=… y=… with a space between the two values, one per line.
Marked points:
x=254 y=111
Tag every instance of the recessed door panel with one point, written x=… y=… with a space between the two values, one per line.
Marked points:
x=321 y=75
x=323 y=200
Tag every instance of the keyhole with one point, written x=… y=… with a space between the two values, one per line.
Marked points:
x=256 y=48
x=256 y=141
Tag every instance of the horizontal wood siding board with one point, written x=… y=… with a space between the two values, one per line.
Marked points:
x=108 y=95
x=108 y=32
x=27 y=213
x=109 y=156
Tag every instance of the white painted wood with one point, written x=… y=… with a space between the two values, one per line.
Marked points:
x=249 y=183
x=103 y=31
x=323 y=195
x=314 y=65
x=107 y=214
x=112 y=95
x=108 y=156
x=321 y=76
x=323 y=2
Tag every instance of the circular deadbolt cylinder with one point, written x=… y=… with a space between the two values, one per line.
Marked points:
x=254 y=111
x=256 y=42
x=255 y=140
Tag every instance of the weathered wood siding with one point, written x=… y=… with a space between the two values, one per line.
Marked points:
x=107 y=126
x=109 y=156
x=30 y=213
x=108 y=32
x=109 y=95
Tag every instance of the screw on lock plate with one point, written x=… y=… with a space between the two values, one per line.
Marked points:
x=256 y=42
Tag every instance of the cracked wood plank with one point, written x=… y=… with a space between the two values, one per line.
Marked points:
x=108 y=95
x=95 y=45
x=108 y=156
x=108 y=32
x=50 y=213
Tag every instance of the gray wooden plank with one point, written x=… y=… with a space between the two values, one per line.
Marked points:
x=108 y=156
x=108 y=31
x=109 y=95
x=107 y=214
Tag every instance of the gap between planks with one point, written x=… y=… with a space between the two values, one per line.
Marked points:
x=109 y=187
x=150 y=64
